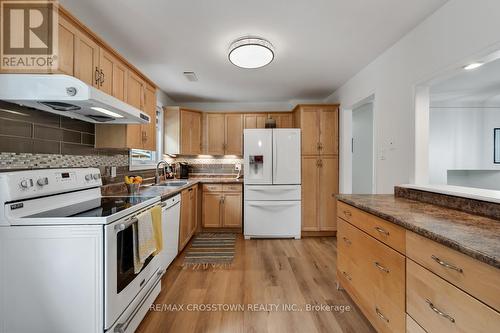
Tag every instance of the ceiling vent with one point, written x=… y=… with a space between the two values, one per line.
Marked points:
x=191 y=76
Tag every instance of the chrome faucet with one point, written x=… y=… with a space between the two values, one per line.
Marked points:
x=157 y=174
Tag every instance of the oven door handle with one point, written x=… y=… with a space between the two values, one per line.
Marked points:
x=122 y=327
x=128 y=223
x=125 y=225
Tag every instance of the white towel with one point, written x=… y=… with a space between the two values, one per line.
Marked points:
x=144 y=240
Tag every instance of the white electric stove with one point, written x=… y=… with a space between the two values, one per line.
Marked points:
x=66 y=255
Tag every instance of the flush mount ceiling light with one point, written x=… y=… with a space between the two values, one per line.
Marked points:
x=472 y=66
x=251 y=52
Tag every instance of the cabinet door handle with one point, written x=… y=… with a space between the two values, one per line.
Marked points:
x=96 y=76
x=347 y=240
x=379 y=266
x=348 y=277
x=447 y=265
x=381 y=316
x=439 y=312
x=382 y=231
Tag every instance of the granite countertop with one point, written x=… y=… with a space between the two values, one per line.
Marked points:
x=473 y=235
x=166 y=192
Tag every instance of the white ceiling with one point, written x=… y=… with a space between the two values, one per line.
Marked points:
x=319 y=43
x=476 y=88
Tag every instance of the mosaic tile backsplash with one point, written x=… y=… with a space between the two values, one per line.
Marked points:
x=16 y=161
x=209 y=166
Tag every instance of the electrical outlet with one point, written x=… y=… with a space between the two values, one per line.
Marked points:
x=113 y=171
x=237 y=166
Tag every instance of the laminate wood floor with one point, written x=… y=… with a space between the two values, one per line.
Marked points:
x=266 y=275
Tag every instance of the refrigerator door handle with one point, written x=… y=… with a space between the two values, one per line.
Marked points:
x=273 y=204
x=275 y=158
x=270 y=188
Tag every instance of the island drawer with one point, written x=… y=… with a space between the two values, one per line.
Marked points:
x=476 y=278
x=438 y=306
x=386 y=232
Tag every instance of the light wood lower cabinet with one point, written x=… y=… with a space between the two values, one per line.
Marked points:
x=438 y=306
x=319 y=188
x=222 y=206
x=377 y=274
x=387 y=269
x=189 y=211
x=470 y=275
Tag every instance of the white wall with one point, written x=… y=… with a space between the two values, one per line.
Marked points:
x=461 y=139
x=362 y=153
x=162 y=99
x=452 y=36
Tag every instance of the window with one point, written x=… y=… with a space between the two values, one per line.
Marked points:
x=496 y=145
x=146 y=159
x=142 y=159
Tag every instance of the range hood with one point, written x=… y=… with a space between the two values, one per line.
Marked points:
x=67 y=96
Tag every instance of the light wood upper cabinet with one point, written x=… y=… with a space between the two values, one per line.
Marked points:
x=215 y=133
x=113 y=77
x=135 y=97
x=87 y=60
x=234 y=134
x=182 y=131
x=190 y=132
x=255 y=120
x=329 y=136
x=310 y=131
x=68 y=35
x=283 y=119
x=149 y=137
x=196 y=146
x=319 y=124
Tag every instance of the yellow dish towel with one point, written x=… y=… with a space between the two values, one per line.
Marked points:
x=145 y=243
x=157 y=228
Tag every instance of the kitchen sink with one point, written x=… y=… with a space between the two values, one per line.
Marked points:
x=178 y=183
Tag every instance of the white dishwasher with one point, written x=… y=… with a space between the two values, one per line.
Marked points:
x=171 y=213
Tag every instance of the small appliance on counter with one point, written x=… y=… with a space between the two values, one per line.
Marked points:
x=182 y=170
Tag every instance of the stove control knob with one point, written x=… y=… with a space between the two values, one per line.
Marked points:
x=24 y=183
x=88 y=177
x=96 y=176
x=42 y=181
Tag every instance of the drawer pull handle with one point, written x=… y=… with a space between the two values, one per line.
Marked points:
x=347 y=276
x=382 y=231
x=347 y=213
x=381 y=316
x=347 y=240
x=445 y=264
x=439 y=312
x=379 y=266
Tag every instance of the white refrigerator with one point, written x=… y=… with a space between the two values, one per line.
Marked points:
x=272 y=176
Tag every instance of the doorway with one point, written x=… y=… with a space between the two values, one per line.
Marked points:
x=362 y=148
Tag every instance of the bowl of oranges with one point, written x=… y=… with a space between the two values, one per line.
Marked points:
x=133 y=184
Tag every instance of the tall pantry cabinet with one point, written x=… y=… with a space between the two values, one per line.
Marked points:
x=320 y=165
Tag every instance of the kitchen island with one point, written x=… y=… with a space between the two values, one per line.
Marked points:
x=416 y=266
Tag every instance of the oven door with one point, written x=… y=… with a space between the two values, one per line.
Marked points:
x=122 y=285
